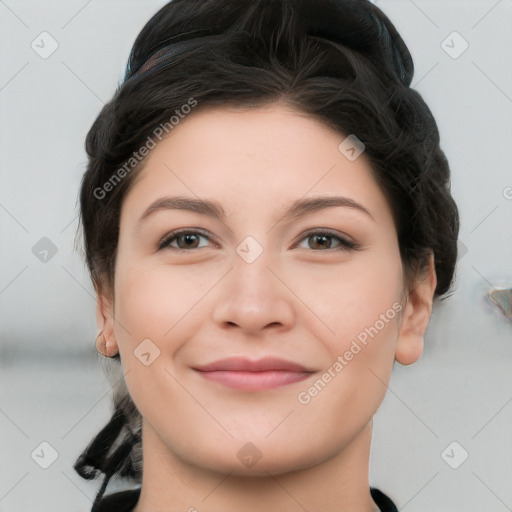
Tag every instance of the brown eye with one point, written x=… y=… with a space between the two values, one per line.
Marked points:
x=185 y=240
x=323 y=240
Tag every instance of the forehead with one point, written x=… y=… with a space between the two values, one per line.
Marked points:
x=247 y=158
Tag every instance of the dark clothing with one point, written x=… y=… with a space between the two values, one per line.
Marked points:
x=125 y=501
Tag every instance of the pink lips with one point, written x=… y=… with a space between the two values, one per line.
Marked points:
x=266 y=373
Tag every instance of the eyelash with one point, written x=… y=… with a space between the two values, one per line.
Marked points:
x=345 y=245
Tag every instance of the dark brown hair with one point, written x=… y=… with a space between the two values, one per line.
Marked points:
x=340 y=61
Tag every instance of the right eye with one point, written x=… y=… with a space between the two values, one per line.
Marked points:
x=186 y=240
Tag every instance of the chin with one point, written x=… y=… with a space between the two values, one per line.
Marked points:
x=259 y=457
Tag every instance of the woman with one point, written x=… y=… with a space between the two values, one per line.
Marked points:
x=267 y=222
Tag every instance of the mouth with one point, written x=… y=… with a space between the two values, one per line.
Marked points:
x=250 y=375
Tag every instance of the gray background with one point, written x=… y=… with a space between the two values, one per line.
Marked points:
x=52 y=386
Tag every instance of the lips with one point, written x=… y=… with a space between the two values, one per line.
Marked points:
x=254 y=375
x=248 y=365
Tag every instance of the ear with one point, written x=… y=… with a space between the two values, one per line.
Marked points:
x=105 y=318
x=416 y=316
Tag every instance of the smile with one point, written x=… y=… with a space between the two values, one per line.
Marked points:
x=248 y=375
x=255 y=381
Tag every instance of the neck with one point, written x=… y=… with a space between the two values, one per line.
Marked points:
x=340 y=483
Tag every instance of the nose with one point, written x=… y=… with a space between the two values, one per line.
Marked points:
x=254 y=298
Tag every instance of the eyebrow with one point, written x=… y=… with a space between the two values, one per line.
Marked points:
x=215 y=210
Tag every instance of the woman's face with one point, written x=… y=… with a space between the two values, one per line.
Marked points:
x=261 y=274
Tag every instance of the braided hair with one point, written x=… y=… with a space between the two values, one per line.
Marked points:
x=117 y=448
x=341 y=61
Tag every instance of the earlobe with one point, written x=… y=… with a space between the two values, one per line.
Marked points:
x=106 y=342
x=415 y=318
x=409 y=347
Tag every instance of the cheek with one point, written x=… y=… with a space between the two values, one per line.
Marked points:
x=353 y=383
x=343 y=300
x=154 y=298
x=360 y=303
x=153 y=302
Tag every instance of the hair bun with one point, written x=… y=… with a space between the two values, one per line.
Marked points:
x=356 y=24
x=362 y=26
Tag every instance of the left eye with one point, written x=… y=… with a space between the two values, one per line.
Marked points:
x=323 y=240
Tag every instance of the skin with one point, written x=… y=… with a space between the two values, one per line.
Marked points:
x=299 y=300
